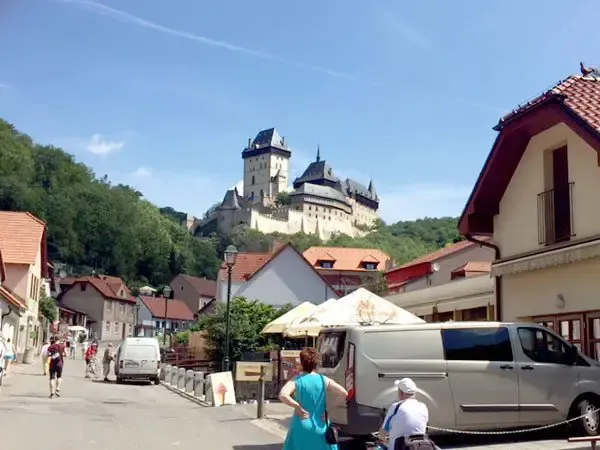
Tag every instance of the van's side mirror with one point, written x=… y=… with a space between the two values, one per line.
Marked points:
x=572 y=355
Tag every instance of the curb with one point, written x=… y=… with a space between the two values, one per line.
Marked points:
x=185 y=395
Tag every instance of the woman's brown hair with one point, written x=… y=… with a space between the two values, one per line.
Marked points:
x=309 y=358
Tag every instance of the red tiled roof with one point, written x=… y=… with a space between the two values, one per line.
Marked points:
x=22 y=238
x=108 y=286
x=574 y=101
x=348 y=259
x=246 y=264
x=580 y=93
x=13 y=298
x=438 y=254
x=204 y=286
x=176 y=309
x=474 y=266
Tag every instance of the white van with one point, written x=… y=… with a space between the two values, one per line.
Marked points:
x=471 y=375
x=138 y=358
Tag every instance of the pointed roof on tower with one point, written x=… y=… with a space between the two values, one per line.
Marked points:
x=266 y=141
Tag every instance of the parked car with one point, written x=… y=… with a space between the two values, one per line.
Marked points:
x=471 y=375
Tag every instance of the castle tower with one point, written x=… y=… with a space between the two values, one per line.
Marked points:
x=266 y=167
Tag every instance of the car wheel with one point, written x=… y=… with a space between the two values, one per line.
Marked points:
x=156 y=381
x=590 y=424
x=119 y=380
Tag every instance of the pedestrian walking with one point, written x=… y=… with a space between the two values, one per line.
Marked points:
x=44 y=357
x=405 y=424
x=89 y=357
x=310 y=428
x=9 y=356
x=109 y=356
x=56 y=356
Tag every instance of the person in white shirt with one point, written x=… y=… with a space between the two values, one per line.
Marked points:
x=44 y=357
x=407 y=417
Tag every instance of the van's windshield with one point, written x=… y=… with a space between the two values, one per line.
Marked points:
x=331 y=348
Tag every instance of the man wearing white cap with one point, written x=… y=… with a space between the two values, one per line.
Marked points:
x=407 y=417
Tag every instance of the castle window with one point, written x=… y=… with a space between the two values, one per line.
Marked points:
x=252 y=179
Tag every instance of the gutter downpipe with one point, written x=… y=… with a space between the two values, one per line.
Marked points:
x=498 y=289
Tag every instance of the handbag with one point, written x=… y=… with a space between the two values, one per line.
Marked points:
x=331 y=433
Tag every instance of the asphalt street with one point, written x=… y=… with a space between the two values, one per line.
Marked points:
x=106 y=416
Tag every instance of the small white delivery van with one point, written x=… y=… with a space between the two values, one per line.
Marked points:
x=138 y=358
x=471 y=375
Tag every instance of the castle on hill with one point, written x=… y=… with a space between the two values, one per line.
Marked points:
x=317 y=203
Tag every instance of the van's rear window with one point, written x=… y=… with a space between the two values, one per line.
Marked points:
x=140 y=352
x=331 y=348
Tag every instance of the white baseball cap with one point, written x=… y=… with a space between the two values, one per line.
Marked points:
x=406 y=385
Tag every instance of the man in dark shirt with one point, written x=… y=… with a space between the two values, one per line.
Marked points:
x=56 y=354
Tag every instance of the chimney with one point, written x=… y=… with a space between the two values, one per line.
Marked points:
x=249 y=143
x=276 y=245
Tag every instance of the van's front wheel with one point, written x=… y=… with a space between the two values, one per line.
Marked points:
x=589 y=425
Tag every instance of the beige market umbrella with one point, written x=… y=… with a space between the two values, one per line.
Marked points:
x=360 y=307
x=305 y=326
x=278 y=325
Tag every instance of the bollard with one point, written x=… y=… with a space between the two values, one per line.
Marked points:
x=163 y=372
x=181 y=379
x=173 y=377
x=189 y=381
x=199 y=384
x=260 y=408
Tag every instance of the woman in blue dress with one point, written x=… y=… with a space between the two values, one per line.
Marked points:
x=307 y=394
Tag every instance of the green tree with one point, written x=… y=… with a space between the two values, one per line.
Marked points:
x=248 y=318
x=283 y=199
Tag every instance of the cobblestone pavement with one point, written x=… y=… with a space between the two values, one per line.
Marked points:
x=107 y=416
x=278 y=418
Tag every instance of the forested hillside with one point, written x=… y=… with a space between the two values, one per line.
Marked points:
x=94 y=225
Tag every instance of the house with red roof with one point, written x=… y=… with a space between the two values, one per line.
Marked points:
x=107 y=302
x=348 y=269
x=286 y=277
x=441 y=285
x=157 y=314
x=537 y=196
x=245 y=266
x=196 y=292
x=25 y=268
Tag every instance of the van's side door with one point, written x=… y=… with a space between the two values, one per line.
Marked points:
x=483 y=375
x=547 y=383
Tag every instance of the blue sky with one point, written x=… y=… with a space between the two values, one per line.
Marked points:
x=163 y=95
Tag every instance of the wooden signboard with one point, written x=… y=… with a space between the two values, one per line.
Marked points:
x=250 y=371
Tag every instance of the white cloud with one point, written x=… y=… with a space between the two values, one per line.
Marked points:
x=99 y=145
x=5 y=86
x=417 y=201
x=142 y=172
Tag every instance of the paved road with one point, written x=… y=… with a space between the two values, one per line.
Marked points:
x=107 y=416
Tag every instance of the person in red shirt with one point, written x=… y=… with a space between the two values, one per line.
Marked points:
x=90 y=354
x=56 y=355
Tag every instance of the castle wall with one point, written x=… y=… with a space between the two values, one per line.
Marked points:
x=363 y=215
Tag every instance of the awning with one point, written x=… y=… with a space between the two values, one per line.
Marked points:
x=12 y=298
x=552 y=258
x=282 y=322
x=466 y=293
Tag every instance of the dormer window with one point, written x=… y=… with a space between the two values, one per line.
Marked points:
x=369 y=266
x=325 y=264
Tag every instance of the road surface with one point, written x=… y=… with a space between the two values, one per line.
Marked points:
x=106 y=416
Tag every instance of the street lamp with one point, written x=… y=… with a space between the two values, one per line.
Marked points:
x=230 y=257
x=166 y=294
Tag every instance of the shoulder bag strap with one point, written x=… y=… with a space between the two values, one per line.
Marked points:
x=386 y=426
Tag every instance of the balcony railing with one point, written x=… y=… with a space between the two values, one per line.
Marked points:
x=555 y=215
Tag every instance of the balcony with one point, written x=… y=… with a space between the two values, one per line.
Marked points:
x=555 y=215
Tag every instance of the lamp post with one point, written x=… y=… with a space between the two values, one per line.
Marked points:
x=230 y=257
x=166 y=294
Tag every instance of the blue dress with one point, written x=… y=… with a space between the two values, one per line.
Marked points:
x=309 y=434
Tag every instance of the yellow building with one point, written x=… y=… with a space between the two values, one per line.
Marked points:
x=538 y=196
